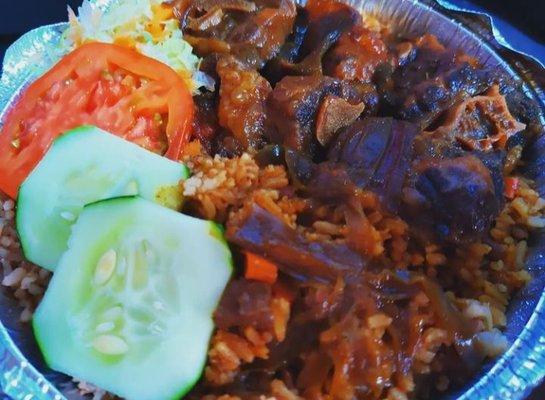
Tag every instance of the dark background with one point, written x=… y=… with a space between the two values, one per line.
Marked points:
x=522 y=23
x=19 y=16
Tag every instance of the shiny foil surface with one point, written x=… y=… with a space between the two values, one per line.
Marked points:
x=23 y=374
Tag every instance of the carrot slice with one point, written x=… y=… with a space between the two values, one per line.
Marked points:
x=511 y=186
x=259 y=269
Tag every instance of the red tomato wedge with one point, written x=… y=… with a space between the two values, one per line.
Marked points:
x=109 y=86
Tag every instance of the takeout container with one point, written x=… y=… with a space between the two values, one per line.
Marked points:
x=512 y=376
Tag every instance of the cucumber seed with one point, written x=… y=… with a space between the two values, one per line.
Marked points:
x=105 y=267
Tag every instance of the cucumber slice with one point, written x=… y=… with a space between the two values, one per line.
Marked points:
x=130 y=305
x=85 y=165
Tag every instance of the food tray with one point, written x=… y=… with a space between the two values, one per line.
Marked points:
x=512 y=376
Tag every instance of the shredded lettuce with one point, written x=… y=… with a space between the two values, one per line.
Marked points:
x=142 y=24
x=173 y=50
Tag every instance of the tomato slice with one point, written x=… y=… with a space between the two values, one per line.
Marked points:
x=109 y=86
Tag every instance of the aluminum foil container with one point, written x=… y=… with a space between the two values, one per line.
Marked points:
x=23 y=374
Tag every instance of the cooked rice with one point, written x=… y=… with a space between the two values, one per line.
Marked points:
x=220 y=188
x=484 y=282
x=26 y=281
x=229 y=351
x=220 y=184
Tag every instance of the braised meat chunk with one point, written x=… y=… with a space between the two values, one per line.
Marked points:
x=356 y=55
x=205 y=125
x=318 y=27
x=242 y=102
x=452 y=200
x=328 y=19
x=263 y=233
x=244 y=303
x=480 y=123
x=335 y=113
x=430 y=79
x=292 y=109
x=305 y=112
x=377 y=153
x=251 y=31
